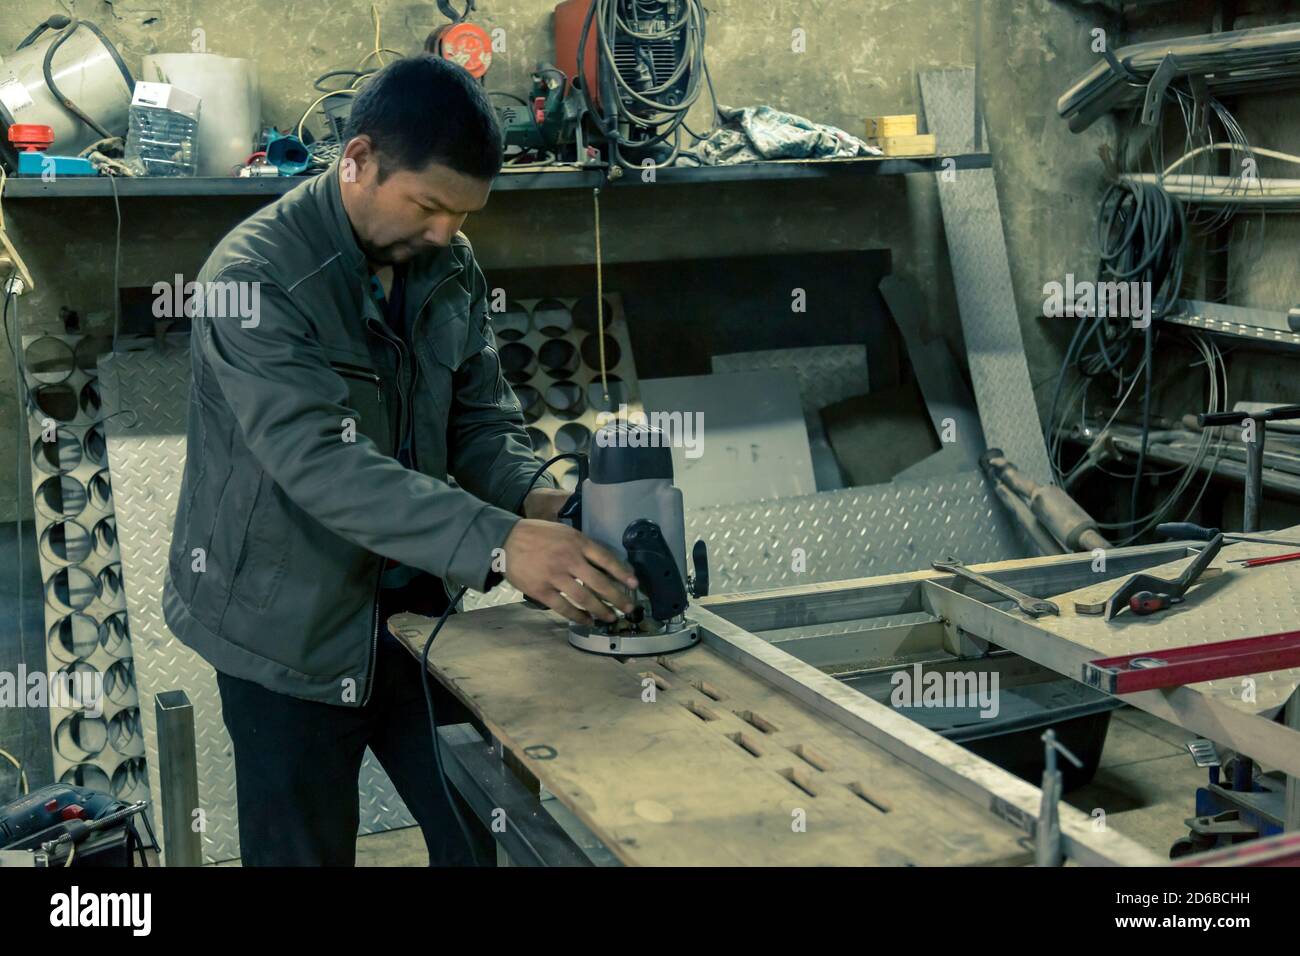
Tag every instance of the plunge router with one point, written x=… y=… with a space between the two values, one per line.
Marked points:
x=628 y=503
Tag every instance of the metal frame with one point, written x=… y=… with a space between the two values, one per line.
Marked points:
x=969 y=623
x=526 y=834
x=862 y=598
x=997 y=791
x=1250 y=734
x=1001 y=793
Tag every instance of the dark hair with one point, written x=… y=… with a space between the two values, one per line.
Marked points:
x=424 y=109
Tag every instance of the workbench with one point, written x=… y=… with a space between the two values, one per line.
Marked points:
x=744 y=750
x=691 y=760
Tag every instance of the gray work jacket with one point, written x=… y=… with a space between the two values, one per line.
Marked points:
x=292 y=496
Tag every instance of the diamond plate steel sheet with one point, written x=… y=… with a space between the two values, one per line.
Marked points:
x=834 y=535
x=856 y=532
x=146 y=393
x=981 y=272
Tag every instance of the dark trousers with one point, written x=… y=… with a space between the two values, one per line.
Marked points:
x=297 y=762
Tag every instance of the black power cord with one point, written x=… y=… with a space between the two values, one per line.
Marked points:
x=68 y=26
x=424 y=656
x=1142 y=235
x=1143 y=238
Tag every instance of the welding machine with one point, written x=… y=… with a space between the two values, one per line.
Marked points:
x=639 y=64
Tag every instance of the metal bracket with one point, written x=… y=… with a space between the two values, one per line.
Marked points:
x=1200 y=105
x=1159 y=83
x=1204 y=753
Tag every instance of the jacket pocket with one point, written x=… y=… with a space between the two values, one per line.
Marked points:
x=366 y=397
x=442 y=350
x=264 y=556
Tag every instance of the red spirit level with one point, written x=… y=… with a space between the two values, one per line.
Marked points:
x=1155 y=670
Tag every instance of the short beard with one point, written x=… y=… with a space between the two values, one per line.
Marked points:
x=380 y=255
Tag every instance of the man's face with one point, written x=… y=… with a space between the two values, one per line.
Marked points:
x=411 y=211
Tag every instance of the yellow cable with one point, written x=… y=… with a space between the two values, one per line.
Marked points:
x=600 y=297
x=379 y=50
x=378 y=53
x=320 y=99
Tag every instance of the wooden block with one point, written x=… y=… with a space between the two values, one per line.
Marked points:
x=923 y=145
x=879 y=127
x=690 y=760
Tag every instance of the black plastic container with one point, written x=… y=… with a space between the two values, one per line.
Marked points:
x=1013 y=738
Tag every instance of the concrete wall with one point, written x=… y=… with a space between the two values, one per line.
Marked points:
x=861 y=58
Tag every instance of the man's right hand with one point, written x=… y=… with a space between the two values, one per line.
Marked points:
x=567 y=571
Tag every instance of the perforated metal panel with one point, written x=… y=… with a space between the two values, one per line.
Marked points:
x=94 y=716
x=550 y=353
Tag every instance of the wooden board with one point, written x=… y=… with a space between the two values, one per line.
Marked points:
x=689 y=760
x=904 y=124
x=922 y=145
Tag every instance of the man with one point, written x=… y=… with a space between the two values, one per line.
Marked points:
x=322 y=431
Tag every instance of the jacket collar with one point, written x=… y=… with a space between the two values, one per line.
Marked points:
x=325 y=189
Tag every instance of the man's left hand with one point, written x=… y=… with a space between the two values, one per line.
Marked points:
x=545 y=503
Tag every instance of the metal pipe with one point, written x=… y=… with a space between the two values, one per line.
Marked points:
x=1280 y=482
x=1020 y=511
x=1237 y=59
x=178 y=780
x=1060 y=514
x=1254 y=479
